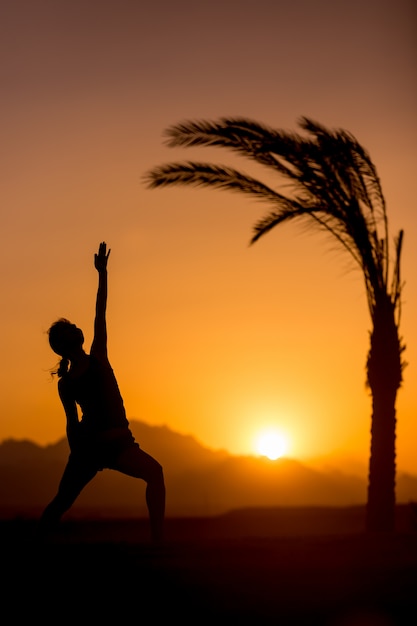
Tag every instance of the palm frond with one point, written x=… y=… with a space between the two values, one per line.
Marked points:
x=396 y=287
x=353 y=161
x=321 y=219
x=208 y=175
x=245 y=137
x=235 y=133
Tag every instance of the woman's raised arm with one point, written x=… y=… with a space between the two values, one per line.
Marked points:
x=99 y=345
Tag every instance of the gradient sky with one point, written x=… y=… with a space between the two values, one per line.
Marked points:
x=207 y=335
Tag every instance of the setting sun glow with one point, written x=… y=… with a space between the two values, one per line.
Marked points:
x=272 y=444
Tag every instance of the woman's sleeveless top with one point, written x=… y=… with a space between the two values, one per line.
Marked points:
x=97 y=393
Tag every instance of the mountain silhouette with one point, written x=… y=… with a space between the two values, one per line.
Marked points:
x=199 y=481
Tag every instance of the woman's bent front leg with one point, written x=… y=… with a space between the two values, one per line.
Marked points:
x=137 y=463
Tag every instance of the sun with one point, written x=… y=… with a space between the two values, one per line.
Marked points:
x=271 y=443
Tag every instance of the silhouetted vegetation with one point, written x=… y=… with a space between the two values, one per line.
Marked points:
x=334 y=188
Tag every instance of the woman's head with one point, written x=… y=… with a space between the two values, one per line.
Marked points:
x=65 y=338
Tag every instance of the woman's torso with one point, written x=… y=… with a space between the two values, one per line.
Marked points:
x=97 y=393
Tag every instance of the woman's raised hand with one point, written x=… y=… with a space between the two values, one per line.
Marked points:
x=100 y=259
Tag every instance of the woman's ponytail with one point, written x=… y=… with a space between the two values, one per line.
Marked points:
x=61 y=368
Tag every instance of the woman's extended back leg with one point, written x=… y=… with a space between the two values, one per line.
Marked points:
x=76 y=476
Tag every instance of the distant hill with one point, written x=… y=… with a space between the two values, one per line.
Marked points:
x=199 y=481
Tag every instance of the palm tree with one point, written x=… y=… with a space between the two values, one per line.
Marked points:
x=335 y=186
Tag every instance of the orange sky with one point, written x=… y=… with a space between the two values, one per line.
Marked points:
x=207 y=335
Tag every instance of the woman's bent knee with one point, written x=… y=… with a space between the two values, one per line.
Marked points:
x=155 y=473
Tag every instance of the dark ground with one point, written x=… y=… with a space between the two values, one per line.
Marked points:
x=289 y=567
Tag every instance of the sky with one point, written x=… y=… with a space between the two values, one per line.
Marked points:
x=207 y=335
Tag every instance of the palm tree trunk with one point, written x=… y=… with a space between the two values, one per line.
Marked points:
x=380 y=513
x=384 y=378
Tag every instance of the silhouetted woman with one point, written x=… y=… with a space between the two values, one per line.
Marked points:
x=102 y=438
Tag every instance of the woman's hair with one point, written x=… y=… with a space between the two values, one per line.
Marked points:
x=58 y=340
x=61 y=369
